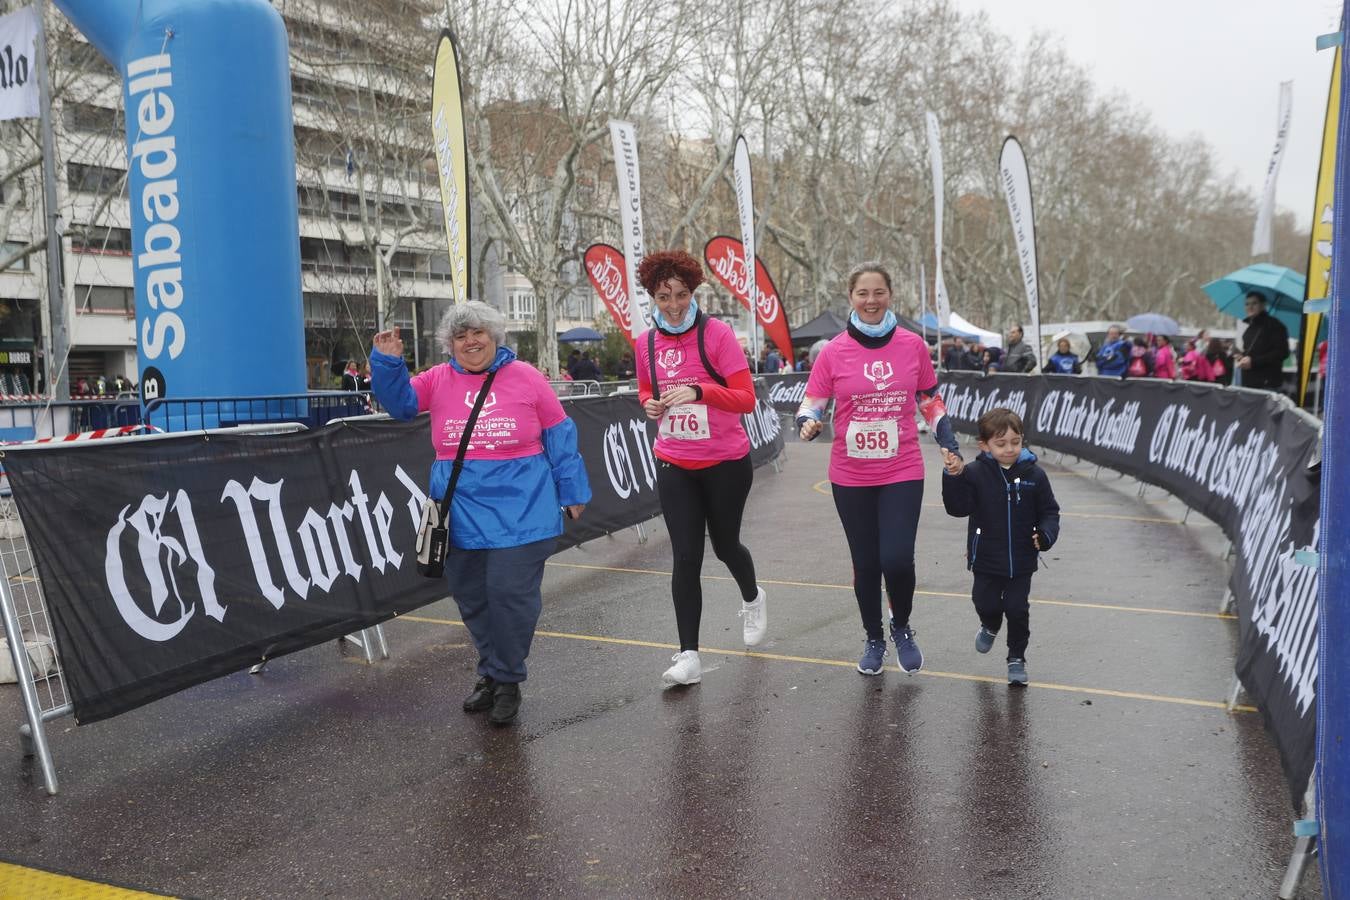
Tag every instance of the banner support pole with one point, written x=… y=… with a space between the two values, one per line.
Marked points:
x=23 y=672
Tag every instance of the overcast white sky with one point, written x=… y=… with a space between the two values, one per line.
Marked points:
x=1207 y=67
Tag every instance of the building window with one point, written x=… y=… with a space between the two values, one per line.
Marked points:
x=102 y=239
x=520 y=306
x=9 y=249
x=104 y=300
x=93 y=179
x=83 y=117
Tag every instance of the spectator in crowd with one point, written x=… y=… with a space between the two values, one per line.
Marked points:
x=1194 y=365
x=773 y=362
x=624 y=370
x=586 y=369
x=1265 y=346
x=350 y=376
x=1141 y=360
x=1220 y=360
x=991 y=358
x=82 y=388
x=572 y=359
x=363 y=380
x=1018 y=355
x=1114 y=354
x=959 y=358
x=1164 y=358
x=815 y=352
x=1063 y=361
x=803 y=364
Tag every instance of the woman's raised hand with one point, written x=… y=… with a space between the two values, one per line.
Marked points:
x=389 y=342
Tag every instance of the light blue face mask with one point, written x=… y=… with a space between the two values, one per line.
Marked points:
x=685 y=324
x=881 y=329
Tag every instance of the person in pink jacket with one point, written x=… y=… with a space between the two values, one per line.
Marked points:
x=1164 y=358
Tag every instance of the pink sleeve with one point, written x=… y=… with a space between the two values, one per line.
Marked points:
x=725 y=353
x=424 y=385
x=546 y=403
x=821 y=382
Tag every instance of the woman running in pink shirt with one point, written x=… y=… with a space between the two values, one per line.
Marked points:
x=877 y=374
x=693 y=379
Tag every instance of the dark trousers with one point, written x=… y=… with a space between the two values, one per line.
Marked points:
x=881 y=522
x=996 y=597
x=498 y=595
x=695 y=501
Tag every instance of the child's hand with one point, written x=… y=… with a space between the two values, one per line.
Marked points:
x=810 y=430
x=952 y=463
x=1036 y=539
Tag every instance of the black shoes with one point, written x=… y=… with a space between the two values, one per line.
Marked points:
x=481 y=698
x=505 y=704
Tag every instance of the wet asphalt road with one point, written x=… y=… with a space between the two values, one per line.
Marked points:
x=786 y=774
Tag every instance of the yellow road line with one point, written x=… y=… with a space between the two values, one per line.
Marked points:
x=961 y=596
x=22 y=881
x=838 y=663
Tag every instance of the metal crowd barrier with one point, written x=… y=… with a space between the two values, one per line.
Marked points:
x=27 y=625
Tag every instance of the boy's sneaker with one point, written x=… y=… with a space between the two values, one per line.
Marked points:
x=687 y=669
x=907 y=654
x=755 y=620
x=984 y=640
x=873 y=658
x=1017 y=672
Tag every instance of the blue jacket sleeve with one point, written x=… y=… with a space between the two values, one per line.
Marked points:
x=569 y=472
x=390 y=384
x=1049 y=511
x=958 y=494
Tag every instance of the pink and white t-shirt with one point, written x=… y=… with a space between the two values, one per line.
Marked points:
x=517 y=410
x=695 y=432
x=876 y=440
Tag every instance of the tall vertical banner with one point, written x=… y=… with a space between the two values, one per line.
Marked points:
x=745 y=207
x=605 y=268
x=940 y=302
x=726 y=257
x=19 y=84
x=1333 y=625
x=1016 y=181
x=624 y=138
x=1319 y=243
x=1265 y=216
x=452 y=161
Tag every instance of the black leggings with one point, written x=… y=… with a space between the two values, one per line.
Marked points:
x=698 y=500
x=881 y=522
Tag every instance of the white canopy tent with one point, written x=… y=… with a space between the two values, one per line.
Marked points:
x=987 y=338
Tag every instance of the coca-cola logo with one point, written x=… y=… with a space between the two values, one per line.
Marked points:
x=607 y=274
x=726 y=257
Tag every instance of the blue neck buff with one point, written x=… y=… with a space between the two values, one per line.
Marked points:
x=685 y=324
x=881 y=329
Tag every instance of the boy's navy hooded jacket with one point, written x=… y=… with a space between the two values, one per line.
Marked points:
x=1003 y=508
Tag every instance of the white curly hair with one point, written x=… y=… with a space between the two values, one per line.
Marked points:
x=460 y=317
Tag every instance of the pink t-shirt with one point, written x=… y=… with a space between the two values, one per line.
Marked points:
x=1165 y=362
x=696 y=432
x=517 y=410
x=876 y=440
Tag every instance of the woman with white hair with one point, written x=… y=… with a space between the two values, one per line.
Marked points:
x=521 y=470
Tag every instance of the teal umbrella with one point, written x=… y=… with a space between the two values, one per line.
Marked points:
x=1282 y=287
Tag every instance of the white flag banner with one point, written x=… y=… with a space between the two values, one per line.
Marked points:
x=18 y=65
x=624 y=137
x=1265 y=216
x=1016 y=181
x=940 y=302
x=745 y=206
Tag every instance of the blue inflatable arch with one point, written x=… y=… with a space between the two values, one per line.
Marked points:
x=211 y=190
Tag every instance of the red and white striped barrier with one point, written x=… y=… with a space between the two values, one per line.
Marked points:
x=119 y=431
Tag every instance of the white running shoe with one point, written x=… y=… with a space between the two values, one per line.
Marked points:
x=755 y=620
x=687 y=669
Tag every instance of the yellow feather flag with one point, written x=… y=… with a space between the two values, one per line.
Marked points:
x=1319 y=244
x=452 y=160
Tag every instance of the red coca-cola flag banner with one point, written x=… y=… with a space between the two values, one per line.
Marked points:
x=726 y=258
x=605 y=268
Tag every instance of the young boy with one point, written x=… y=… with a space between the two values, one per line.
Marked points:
x=1013 y=516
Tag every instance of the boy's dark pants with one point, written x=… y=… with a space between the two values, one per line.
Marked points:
x=995 y=597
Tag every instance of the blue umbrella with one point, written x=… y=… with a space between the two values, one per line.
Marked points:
x=1153 y=323
x=1282 y=287
x=580 y=335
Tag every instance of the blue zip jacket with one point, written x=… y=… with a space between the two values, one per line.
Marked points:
x=498 y=502
x=1003 y=508
x=1114 y=357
